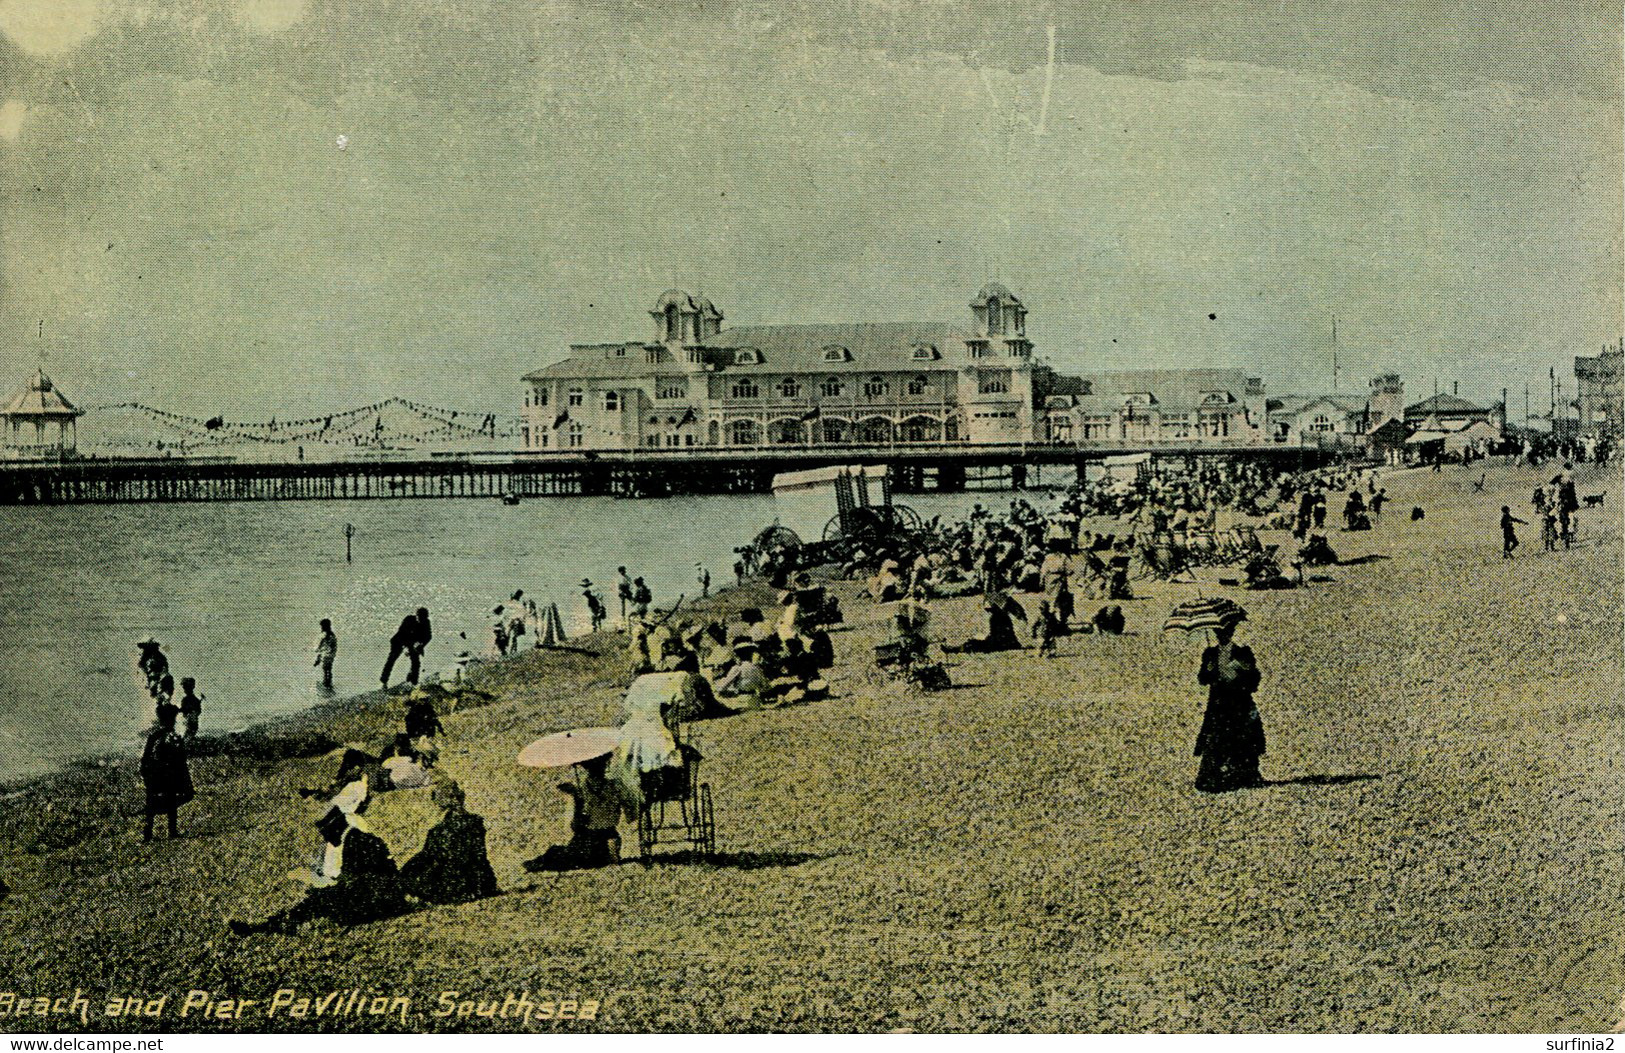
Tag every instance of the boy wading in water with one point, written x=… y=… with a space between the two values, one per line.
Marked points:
x=327 y=649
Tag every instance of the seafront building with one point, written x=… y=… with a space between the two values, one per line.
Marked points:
x=1601 y=398
x=696 y=383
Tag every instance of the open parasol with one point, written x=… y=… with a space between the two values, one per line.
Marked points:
x=1205 y=613
x=564 y=748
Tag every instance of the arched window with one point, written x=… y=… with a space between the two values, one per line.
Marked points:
x=831 y=388
x=875 y=388
x=993 y=384
x=789 y=388
x=918 y=386
x=612 y=401
x=745 y=388
x=742 y=433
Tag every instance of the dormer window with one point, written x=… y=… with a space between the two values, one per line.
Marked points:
x=747 y=356
x=925 y=352
x=836 y=353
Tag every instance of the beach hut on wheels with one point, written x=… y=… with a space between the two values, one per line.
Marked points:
x=39 y=421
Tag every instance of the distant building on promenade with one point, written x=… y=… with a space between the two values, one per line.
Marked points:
x=1601 y=398
x=1339 y=418
x=1154 y=406
x=1448 y=412
x=39 y=420
x=696 y=384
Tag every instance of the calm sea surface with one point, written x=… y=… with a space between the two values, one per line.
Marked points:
x=234 y=592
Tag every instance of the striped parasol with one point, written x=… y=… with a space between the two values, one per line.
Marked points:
x=1206 y=613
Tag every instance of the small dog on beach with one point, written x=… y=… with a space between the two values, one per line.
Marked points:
x=1417 y=513
x=1595 y=500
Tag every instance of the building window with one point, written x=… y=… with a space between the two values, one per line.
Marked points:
x=833 y=353
x=924 y=352
x=573 y=433
x=576 y=397
x=831 y=388
x=1321 y=423
x=612 y=401
x=742 y=433
x=993 y=385
x=977 y=349
x=524 y=436
x=671 y=389
x=541 y=396
x=918 y=386
x=747 y=356
x=875 y=388
x=527 y=400
x=789 y=388
x=746 y=389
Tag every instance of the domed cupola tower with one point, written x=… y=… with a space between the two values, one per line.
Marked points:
x=999 y=313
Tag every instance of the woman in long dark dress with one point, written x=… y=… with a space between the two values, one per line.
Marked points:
x=1232 y=735
x=164 y=772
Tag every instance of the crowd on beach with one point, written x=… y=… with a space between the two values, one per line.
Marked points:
x=684 y=666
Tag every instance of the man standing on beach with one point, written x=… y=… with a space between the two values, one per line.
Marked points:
x=1509 y=536
x=164 y=774
x=327 y=649
x=410 y=639
x=624 y=588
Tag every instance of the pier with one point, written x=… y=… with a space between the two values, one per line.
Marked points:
x=631 y=474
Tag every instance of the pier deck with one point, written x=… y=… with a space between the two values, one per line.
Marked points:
x=619 y=473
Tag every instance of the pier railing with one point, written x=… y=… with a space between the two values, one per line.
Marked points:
x=622 y=473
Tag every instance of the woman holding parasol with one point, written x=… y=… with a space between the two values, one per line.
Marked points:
x=1232 y=735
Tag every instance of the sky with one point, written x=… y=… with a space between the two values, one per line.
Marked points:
x=258 y=207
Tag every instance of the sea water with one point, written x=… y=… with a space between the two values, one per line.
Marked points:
x=234 y=591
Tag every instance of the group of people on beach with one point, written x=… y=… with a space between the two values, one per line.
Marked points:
x=703 y=668
x=354 y=877
x=165 y=776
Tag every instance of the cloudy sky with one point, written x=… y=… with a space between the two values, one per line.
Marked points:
x=514 y=175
